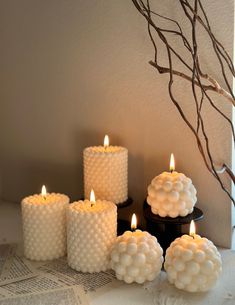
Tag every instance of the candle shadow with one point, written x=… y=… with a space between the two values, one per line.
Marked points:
x=136 y=189
x=27 y=177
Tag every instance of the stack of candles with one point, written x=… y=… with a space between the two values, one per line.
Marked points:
x=192 y=263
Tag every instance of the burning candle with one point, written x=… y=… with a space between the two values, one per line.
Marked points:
x=91 y=232
x=136 y=256
x=192 y=262
x=44 y=225
x=171 y=193
x=106 y=170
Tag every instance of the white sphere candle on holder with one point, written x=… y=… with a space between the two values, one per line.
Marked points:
x=44 y=225
x=171 y=194
x=106 y=170
x=136 y=256
x=91 y=232
x=192 y=262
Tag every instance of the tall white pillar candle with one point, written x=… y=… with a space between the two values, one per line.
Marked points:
x=44 y=225
x=91 y=232
x=106 y=171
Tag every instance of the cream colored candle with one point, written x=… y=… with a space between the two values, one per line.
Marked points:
x=91 y=232
x=193 y=263
x=44 y=225
x=171 y=194
x=106 y=171
x=136 y=256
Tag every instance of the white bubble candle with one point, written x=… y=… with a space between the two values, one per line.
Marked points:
x=136 y=256
x=106 y=171
x=91 y=232
x=44 y=225
x=192 y=262
x=171 y=193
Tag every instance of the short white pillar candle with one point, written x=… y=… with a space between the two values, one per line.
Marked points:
x=44 y=225
x=171 y=194
x=106 y=171
x=91 y=232
x=136 y=256
x=193 y=263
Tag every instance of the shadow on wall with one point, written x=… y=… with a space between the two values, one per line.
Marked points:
x=26 y=176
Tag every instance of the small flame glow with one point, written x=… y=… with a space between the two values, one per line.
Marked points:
x=92 y=196
x=106 y=141
x=172 y=163
x=44 y=191
x=133 y=222
x=192 y=230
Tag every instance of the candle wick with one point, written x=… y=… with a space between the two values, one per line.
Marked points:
x=172 y=171
x=92 y=203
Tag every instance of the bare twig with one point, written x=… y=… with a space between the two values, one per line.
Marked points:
x=201 y=82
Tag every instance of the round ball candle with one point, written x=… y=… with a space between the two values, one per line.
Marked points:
x=171 y=194
x=91 y=232
x=44 y=225
x=136 y=256
x=106 y=171
x=193 y=263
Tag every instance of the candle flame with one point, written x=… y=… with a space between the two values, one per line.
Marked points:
x=192 y=230
x=133 y=222
x=106 y=141
x=92 y=196
x=44 y=191
x=172 y=163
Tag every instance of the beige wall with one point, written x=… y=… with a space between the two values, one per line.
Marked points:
x=72 y=71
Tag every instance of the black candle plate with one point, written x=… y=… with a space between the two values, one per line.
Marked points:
x=167 y=229
x=124 y=204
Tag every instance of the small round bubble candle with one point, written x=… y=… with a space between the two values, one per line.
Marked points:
x=171 y=194
x=44 y=225
x=91 y=232
x=106 y=171
x=192 y=262
x=136 y=256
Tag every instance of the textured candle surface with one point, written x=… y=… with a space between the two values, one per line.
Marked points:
x=136 y=257
x=91 y=232
x=193 y=263
x=44 y=226
x=106 y=171
x=171 y=194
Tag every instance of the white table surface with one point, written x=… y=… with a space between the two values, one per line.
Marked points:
x=158 y=292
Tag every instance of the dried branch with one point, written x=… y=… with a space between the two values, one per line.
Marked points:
x=215 y=87
x=201 y=83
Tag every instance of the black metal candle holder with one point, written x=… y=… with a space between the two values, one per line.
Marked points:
x=123 y=225
x=167 y=229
